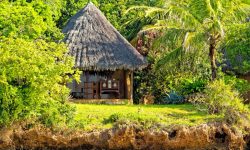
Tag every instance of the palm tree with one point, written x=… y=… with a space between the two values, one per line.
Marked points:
x=201 y=24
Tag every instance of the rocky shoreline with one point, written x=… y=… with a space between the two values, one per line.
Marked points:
x=203 y=137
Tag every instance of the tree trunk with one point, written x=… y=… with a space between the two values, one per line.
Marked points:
x=212 y=54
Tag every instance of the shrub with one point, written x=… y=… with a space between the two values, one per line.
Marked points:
x=118 y=118
x=220 y=98
x=112 y=118
x=190 y=86
x=240 y=85
x=33 y=81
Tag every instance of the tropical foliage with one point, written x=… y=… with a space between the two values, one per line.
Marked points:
x=32 y=81
x=188 y=43
x=34 y=20
x=237 y=48
x=220 y=98
x=192 y=36
x=33 y=69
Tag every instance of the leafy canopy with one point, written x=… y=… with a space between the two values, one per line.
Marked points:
x=186 y=30
x=34 y=20
x=192 y=23
x=32 y=81
x=237 y=48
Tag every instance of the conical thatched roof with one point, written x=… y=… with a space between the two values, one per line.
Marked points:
x=97 y=45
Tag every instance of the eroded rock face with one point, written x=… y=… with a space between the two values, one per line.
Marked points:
x=205 y=137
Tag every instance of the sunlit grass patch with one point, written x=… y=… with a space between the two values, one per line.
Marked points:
x=104 y=116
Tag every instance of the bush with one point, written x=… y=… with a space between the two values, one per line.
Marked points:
x=33 y=81
x=132 y=118
x=112 y=118
x=240 y=85
x=220 y=98
x=190 y=86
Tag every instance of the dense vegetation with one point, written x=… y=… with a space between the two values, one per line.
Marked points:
x=194 y=38
x=31 y=81
x=188 y=44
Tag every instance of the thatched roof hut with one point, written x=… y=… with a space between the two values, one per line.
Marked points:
x=97 y=45
x=106 y=58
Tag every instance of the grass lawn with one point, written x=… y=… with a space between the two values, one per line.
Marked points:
x=91 y=116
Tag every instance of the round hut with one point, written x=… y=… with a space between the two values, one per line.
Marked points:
x=107 y=60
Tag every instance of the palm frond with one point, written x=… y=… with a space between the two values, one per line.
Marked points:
x=182 y=16
x=162 y=27
x=187 y=40
x=234 y=11
x=169 y=40
x=147 y=9
x=169 y=57
x=199 y=9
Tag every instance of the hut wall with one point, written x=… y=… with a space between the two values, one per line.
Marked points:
x=120 y=76
x=77 y=89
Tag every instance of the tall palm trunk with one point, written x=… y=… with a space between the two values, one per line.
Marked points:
x=212 y=54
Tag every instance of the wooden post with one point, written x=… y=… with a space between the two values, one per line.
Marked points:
x=132 y=87
x=129 y=86
x=98 y=86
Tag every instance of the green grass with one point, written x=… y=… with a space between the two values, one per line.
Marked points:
x=105 y=116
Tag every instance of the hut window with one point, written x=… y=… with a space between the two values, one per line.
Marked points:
x=109 y=84
x=115 y=85
x=104 y=85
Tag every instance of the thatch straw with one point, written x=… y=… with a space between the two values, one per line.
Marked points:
x=97 y=45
